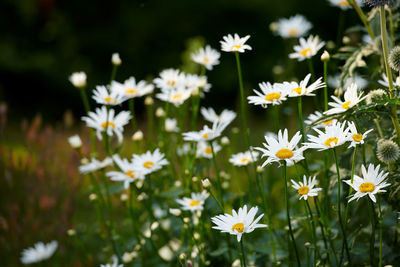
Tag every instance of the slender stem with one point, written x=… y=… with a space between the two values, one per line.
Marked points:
x=314 y=232
x=221 y=193
x=87 y=109
x=385 y=49
x=113 y=73
x=311 y=68
x=243 y=252
x=288 y=214
x=320 y=220
x=378 y=127
x=363 y=18
x=242 y=99
x=380 y=231
x=132 y=109
x=339 y=209
x=373 y=225
x=150 y=123
x=276 y=117
x=351 y=180
x=301 y=124
x=326 y=85
x=340 y=28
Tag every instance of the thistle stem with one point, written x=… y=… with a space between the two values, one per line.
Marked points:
x=363 y=18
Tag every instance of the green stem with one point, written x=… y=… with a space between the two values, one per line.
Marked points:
x=320 y=220
x=288 y=214
x=113 y=73
x=314 y=232
x=301 y=124
x=363 y=18
x=217 y=174
x=311 y=68
x=373 y=225
x=132 y=109
x=242 y=99
x=243 y=254
x=351 y=180
x=385 y=49
x=326 y=85
x=378 y=127
x=150 y=123
x=380 y=231
x=339 y=208
x=276 y=117
x=87 y=109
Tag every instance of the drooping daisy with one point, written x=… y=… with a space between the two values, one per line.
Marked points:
x=344 y=4
x=354 y=137
x=131 y=89
x=204 y=149
x=104 y=121
x=335 y=135
x=129 y=172
x=317 y=116
x=195 y=202
x=226 y=116
x=103 y=96
x=351 y=99
x=151 y=161
x=295 y=89
x=281 y=149
x=95 y=165
x=195 y=82
x=175 y=96
x=270 y=94
x=370 y=184
x=206 y=134
x=306 y=188
x=293 y=27
x=239 y=222
x=244 y=158
x=234 y=43
x=39 y=252
x=207 y=57
x=307 y=48
x=170 y=79
x=334 y=81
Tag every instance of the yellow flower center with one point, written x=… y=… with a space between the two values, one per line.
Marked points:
x=194 y=203
x=107 y=123
x=272 y=96
x=330 y=140
x=237 y=47
x=303 y=190
x=107 y=99
x=205 y=136
x=130 y=91
x=130 y=174
x=298 y=90
x=177 y=97
x=238 y=227
x=344 y=3
x=171 y=83
x=208 y=150
x=284 y=153
x=346 y=105
x=206 y=60
x=293 y=32
x=148 y=164
x=357 y=137
x=305 y=52
x=327 y=122
x=245 y=160
x=367 y=187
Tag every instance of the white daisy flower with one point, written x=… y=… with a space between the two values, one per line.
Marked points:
x=334 y=135
x=281 y=149
x=226 y=116
x=234 y=43
x=293 y=27
x=270 y=94
x=195 y=202
x=150 y=161
x=176 y=96
x=131 y=89
x=130 y=171
x=103 y=97
x=207 y=57
x=170 y=79
x=354 y=137
x=244 y=158
x=171 y=125
x=306 y=188
x=95 y=165
x=370 y=184
x=239 y=222
x=104 y=121
x=78 y=79
x=315 y=117
x=344 y=4
x=351 y=99
x=113 y=264
x=39 y=252
x=295 y=89
x=204 y=150
x=206 y=134
x=307 y=48
x=195 y=82
x=334 y=81
x=385 y=81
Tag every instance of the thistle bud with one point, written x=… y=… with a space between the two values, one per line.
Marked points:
x=387 y=151
x=394 y=58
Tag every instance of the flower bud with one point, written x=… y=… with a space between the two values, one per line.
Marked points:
x=175 y=212
x=78 y=79
x=206 y=183
x=394 y=58
x=127 y=257
x=225 y=141
x=115 y=59
x=387 y=151
x=138 y=136
x=160 y=112
x=148 y=101
x=75 y=141
x=71 y=232
x=325 y=56
x=92 y=197
x=124 y=197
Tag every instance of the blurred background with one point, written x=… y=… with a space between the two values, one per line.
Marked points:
x=43 y=41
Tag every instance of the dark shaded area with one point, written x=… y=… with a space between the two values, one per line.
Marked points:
x=44 y=41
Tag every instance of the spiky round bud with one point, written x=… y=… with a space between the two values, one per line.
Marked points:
x=394 y=58
x=387 y=151
x=375 y=95
x=375 y=3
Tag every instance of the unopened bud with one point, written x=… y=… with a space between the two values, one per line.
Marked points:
x=78 y=79
x=75 y=141
x=92 y=197
x=160 y=112
x=325 y=56
x=71 y=232
x=124 y=197
x=225 y=141
x=115 y=59
x=206 y=183
x=148 y=101
x=175 y=212
x=138 y=136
